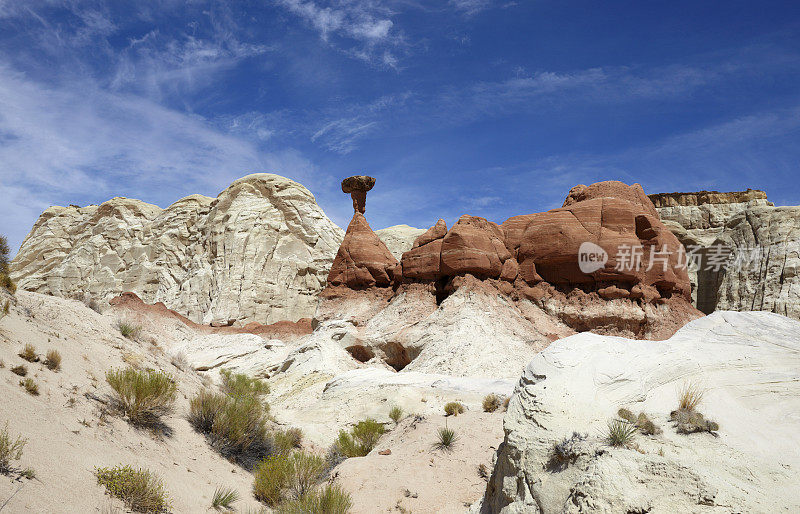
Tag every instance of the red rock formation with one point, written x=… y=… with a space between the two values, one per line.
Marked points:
x=363 y=260
x=474 y=246
x=358 y=186
x=284 y=330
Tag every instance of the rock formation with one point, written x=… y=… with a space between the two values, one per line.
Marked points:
x=358 y=186
x=762 y=243
x=260 y=251
x=578 y=384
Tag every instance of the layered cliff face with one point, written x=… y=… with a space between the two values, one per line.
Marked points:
x=260 y=251
x=760 y=241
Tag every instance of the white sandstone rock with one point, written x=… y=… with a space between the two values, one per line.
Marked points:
x=747 y=362
x=260 y=251
x=399 y=238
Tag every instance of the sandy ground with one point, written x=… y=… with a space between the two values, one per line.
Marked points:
x=70 y=431
x=419 y=478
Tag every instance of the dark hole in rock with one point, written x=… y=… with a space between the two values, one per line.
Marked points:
x=361 y=353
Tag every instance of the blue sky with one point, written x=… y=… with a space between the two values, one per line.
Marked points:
x=492 y=108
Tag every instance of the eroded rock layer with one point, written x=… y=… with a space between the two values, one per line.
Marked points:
x=260 y=251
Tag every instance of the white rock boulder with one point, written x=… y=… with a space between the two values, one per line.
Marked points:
x=260 y=251
x=749 y=365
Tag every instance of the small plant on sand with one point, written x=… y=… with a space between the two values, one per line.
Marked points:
x=30 y=386
x=29 y=353
x=224 y=498
x=620 y=432
x=642 y=422
x=687 y=419
x=330 y=499
x=28 y=473
x=453 y=409
x=144 y=396
x=10 y=449
x=396 y=414
x=491 y=402
x=5 y=280
x=139 y=489
x=446 y=438
x=128 y=329
x=53 y=360
x=567 y=450
x=272 y=476
x=361 y=439
x=19 y=370
x=5 y=310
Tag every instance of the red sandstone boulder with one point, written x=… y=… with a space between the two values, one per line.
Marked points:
x=474 y=246
x=422 y=261
x=363 y=260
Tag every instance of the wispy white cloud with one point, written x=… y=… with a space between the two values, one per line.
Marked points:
x=366 y=22
x=471 y=6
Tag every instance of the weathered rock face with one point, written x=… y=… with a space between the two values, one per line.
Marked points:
x=762 y=242
x=358 y=186
x=578 y=384
x=363 y=260
x=260 y=251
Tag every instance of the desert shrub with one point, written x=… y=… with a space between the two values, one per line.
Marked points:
x=330 y=499
x=396 y=413
x=128 y=329
x=10 y=449
x=491 y=402
x=7 y=284
x=272 y=476
x=20 y=370
x=139 y=489
x=180 y=361
x=690 y=421
x=29 y=353
x=239 y=384
x=690 y=396
x=53 y=360
x=307 y=470
x=224 y=498
x=361 y=439
x=446 y=438
x=30 y=386
x=285 y=440
x=453 y=409
x=620 y=432
x=5 y=310
x=566 y=451
x=642 y=422
x=143 y=396
x=235 y=425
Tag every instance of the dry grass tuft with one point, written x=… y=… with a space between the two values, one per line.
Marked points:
x=690 y=396
x=129 y=329
x=620 y=433
x=491 y=402
x=53 y=360
x=141 y=490
x=454 y=409
x=29 y=353
x=20 y=370
x=224 y=498
x=30 y=386
x=10 y=449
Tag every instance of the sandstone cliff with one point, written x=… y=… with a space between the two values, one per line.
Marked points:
x=260 y=251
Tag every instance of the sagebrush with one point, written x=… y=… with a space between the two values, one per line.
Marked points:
x=139 y=489
x=144 y=396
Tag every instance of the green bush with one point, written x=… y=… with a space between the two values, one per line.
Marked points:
x=204 y=408
x=139 y=489
x=224 y=498
x=272 y=476
x=10 y=449
x=53 y=360
x=307 y=470
x=143 y=396
x=239 y=384
x=453 y=409
x=330 y=499
x=361 y=439
x=395 y=414
x=286 y=440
